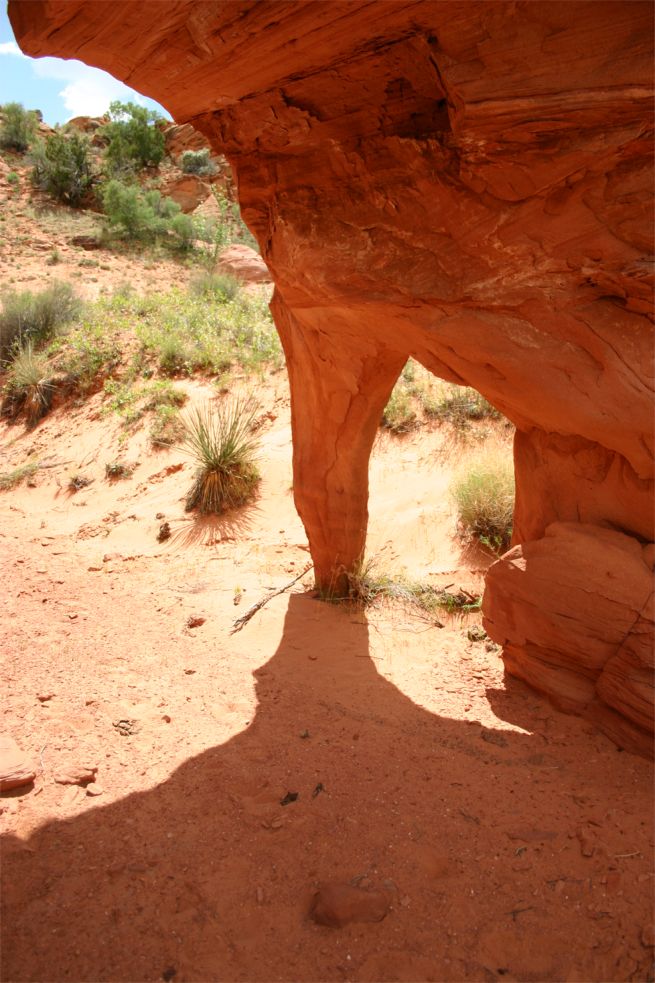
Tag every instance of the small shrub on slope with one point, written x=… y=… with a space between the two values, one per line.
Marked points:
x=134 y=139
x=223 y=443
x=18 y=127
x=483 y=492
x=62 y=167
x=35 y=317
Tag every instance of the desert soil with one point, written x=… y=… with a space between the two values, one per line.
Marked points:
x=509 y=840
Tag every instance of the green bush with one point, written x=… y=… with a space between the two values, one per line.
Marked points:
x=35 y=317
x=197 y=162
x=483 y=492
x=18 y=127
x=146 y=216
x=134 y=139
x=62 y=167
x=224 y=445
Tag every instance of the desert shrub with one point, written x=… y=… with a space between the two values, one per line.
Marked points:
x=134 y=139
x=197 y=162
x=167 y=428
x=483 y=491
x=458 y=405
x=28 y=388
x=35 y=317
x=18 y=126
x=223 y=443
x=146 y=216
x=13 y=179
x=217 y=286
x=62 y=167
x=399 y=415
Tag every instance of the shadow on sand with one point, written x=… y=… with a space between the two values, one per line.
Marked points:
x=472 y=831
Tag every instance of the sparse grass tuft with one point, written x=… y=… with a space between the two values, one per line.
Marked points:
x=483 y=492
x=369 y=584
x=116 y=470
x=11 y=479
x=167 y=428
x=222 y=441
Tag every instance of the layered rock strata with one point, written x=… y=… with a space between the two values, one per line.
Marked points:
x=466 y=183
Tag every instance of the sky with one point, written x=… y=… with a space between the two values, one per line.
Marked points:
x=60 y=88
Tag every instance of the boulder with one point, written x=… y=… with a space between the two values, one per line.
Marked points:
x=574 y=613
x=15 y=767
x=188 y=190
x=244 y=264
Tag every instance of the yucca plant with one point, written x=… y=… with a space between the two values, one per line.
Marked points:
x=224 y=444
x=28 y=386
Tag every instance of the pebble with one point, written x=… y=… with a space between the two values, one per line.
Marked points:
x=44 y=697
x=195 y=621
x=94 y=789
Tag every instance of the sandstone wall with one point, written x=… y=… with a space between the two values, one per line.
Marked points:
x=467 y=183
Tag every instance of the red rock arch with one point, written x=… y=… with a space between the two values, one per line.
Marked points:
x=468 y=183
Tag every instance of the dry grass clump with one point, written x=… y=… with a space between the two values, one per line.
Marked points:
x=223 y=443
x=28 y=387
x=10 y=479
x=483 y=491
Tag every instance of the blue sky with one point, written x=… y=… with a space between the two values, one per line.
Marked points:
x=60 y=89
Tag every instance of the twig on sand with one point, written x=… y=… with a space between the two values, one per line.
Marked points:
x=245 y=618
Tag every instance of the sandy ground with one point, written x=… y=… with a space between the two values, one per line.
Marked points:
x=510 y=841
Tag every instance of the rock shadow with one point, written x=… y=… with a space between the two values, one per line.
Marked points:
x=208 y=876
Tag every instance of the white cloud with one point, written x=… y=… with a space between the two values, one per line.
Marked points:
x=11 y=48
x=89 y=90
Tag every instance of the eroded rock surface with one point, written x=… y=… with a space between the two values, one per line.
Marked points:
x=575 y=614
x=467 y=183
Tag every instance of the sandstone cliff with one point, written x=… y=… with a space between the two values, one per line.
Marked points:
x=467 y=183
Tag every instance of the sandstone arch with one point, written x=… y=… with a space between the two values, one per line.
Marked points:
x=468 y=183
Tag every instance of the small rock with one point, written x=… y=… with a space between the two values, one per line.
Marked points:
x=164 y=532
x=15 y=767
x=160 y=515
x=166 y=718
x=337 y=905
x=44 y=697
x=75 y=774
x=195 y=621
x=476 y=633
x=94 y=789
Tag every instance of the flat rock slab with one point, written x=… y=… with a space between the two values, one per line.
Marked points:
x=73 y=773
x=337 y=905
x=15 y=767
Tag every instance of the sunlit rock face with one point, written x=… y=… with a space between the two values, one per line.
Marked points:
x=467 y=183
